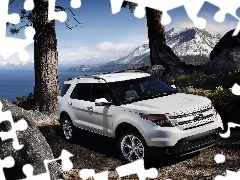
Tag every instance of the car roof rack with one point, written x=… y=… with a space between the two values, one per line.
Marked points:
x=79 y=77
x=97 y=76
x=124 y=70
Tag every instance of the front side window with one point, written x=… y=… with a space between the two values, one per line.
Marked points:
x=139 y=89
x=81 y=92
x=100 y=90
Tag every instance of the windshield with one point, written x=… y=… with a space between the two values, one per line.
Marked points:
x=139 y=89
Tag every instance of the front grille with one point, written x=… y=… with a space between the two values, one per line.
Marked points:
x=196 y=122
x=203 y=142
x=190 y=112
x=198 y=143
x=192 y=118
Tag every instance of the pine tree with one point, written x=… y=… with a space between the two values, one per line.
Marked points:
x=45 y=59
x=45 y=54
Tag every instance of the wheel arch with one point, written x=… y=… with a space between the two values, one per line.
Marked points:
x=124 y=126
x=63 y=114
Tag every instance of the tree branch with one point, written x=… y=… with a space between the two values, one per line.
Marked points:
x=11 y=2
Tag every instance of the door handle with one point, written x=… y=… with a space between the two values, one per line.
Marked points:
x=69 y=103
x=90 y=108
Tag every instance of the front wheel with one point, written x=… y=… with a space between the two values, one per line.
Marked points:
x=68 y=129
x=131 y=146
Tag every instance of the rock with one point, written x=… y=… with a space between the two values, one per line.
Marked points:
x=34 y=152
x=227 y=41
x=226 y=61
x=155 y=70
x=25 y=102
x=225 y=56
x=173 y=66
x=163 y=55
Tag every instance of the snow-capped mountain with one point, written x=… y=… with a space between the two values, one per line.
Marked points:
x=139 y=55
x=185 y=42
x=15 y=64
x=191 y=41
x=87 y=62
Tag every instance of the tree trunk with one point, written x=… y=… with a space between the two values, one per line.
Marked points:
x=156 y=32
x=45 y=59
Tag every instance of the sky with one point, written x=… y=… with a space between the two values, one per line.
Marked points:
x=104 y=35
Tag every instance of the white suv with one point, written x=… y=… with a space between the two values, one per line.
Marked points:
x=144 y=115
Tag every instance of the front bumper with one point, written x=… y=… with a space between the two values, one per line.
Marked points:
x=186 y=145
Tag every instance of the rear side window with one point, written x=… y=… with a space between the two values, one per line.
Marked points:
x=65 y=88
x=81 y=92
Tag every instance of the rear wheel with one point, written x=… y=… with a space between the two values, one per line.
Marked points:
x=131 y=146
x=68 y=129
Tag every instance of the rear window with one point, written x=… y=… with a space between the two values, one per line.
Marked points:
x=65 y=88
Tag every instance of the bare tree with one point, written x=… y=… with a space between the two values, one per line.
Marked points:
x=156 y=31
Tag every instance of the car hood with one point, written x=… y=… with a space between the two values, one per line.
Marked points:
x=168 y=104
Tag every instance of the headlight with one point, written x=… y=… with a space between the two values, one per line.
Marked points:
x=214 y=110
x=211 y=105
x=158 y=119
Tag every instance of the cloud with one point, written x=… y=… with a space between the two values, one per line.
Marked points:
x=221 y=27
x=102 y=50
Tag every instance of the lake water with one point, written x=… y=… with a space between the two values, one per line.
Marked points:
x=20 y=82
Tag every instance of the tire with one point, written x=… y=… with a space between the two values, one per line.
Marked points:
x=131 y=146
x=68 y=129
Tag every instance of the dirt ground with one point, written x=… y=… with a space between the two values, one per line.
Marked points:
x=93 y=151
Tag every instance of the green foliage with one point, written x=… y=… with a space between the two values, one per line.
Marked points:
x=195 y=59
x=210 y=82
x=25 y=102
x=218 y=89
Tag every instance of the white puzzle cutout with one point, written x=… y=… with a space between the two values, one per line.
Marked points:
x=10 y=45
x=192 y=8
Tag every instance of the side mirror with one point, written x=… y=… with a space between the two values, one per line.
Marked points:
x=102 y=102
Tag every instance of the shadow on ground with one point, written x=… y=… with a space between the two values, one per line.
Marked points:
x=94 y=151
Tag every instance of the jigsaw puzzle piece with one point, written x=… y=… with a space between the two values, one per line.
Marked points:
x=66 y=162
x=140 y=12
x=137 y=167
x=88 y=173
x=227 y=133
x=10 y=45
x=236 y=89
x=28 y=171
x=66 y=165
x=75 y=4
x=28 y=5
x=52 y=14
x=8 y=162
x=21 y=125
x=65 y=158
x=192 y=8
x=226 y=7
x=5 y=17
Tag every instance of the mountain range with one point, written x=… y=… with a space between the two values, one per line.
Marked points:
x=191 y=45
x=186 y=43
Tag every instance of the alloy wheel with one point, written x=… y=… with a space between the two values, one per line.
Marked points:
x=67 y=129
x=132 y=148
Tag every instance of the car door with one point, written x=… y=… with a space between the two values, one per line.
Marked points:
x=80 y=105
x=101 y=116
